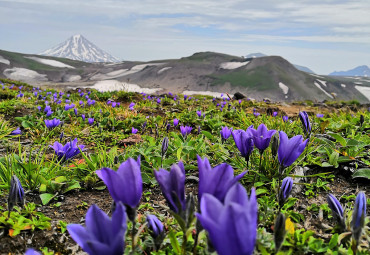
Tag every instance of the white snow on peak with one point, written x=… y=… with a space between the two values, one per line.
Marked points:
x=316 y=75
x=50 y=62
x=322 y=82
x=364 y=90
x=358 y=83
x=326 y=93
x=164 y=69
x=24 y=74
x=233 y=65
x=4 y=61
x=343 y=85
x=79 y=48
x=284 y=88
x=113 y=85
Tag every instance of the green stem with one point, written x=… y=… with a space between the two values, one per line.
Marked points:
x=184 y=242
x=133 y=237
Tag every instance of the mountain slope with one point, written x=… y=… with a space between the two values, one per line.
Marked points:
x=358 y=71
x=299 y=67
x=79 y=48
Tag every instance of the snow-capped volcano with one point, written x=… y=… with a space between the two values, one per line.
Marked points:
x=78 y=47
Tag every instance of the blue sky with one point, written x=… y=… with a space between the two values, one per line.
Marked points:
x=325 y=35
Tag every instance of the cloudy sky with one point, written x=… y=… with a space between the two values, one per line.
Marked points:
x=324 y=35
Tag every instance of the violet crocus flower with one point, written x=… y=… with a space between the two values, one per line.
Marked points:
x=50 y=124
x=358 y=216
x=90 y=121
x=172 y=184
x=337 y=210
x=319 y=115
x=49 y=113
x=125 y=185
x=16 y=193
x=32 y=252
x=261 y=137
x=215 y=181
x=285 y=189
x=256 y=114
x=131 y=106
x=101 y=235
x=83 y=117
x=290 y=149
x=75 y=111
x=303 y=116
x=244 y=142
x=16 y=131
x=68 y=151
x=155 y=225
x=185 y=131
x=225 y=133
x=134 y=130
x=274 y=114
x=232 y=226
x=285 y=118
x=199 y=113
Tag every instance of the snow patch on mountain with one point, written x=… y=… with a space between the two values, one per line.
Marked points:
x=284 y=88
x=50 y=62
x=23 y=74
x=322 y=82
x=164 y=69
x=121 y=72
x=233 y=65
x=79 y=48
x=364 y=90
x=206 y=93
x=4 y=61
x=113 y=85
x=326 y=93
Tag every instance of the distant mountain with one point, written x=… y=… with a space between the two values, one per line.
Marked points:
x=272 y=76
x=358 y=71
x=79 y=48
x=299 y=67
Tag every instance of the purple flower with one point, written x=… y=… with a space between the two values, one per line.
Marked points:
x=244 y=142
x=185 y=131
x=319 y=115
x=134 y=130
x=16 y=131
x=154 y=225
x=158 y=100
x=16 y=193
x=199 y=113
x=173 y=186
x=303 y=116
x=261 y=137
x=39 y=108
x=216 y=181
x=75 y=111
x=81 y=102
x=32 y=252
x=83 y=117
x=232 y=226
x=125 y=185
x=274 y=114
x=359 y=212
x=285 y=118
x=131 y=106
x=47 y=108
x=49 y=113
x=225 y=133
x=185 y=96
x=290 y=149
x=337 y=210
x=285 y=189
x=256 y=114
x=50 y=124
x=101 y=235
x=68 y=151
x=239 y=101
x=90 y=121
x=175 y=122
x=114 y=104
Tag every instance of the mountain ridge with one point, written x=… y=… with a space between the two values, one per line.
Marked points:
x=362 y=70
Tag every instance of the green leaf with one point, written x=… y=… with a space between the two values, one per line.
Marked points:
x=333 y=241
x=362 y=173
x=72 y=185
x=174 y=242
x=339 y=138
x=46 y=198
x=179 y=150
x=207 y=134
x=333 y=159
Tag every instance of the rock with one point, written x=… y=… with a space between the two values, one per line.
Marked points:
x=238 y=96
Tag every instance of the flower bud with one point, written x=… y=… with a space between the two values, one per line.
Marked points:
x=358 y=216
x=286 y=188
x=16 y=193
x=164 y=145
x=337 y=210
x=279 y=231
